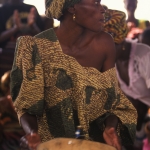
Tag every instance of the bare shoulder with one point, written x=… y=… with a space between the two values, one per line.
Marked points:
x=105 y=41
x=104 y=37
x=105 y=46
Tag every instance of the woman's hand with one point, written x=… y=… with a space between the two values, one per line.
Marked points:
x=32 y=16
x=111 y=138
x=16 y=19
x=30 y=141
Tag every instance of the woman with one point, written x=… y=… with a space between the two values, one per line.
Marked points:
x=132 y=65
x=65 y=77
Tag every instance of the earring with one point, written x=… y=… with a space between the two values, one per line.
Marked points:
x=74 y=17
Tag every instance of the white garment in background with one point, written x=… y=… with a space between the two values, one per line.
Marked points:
x=139 y=73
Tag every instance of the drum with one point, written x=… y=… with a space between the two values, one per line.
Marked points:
x=73 y=144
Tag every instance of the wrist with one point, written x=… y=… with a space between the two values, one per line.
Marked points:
x=33 y=131
x=111 y=122
x=32 y=25
x=15 y=28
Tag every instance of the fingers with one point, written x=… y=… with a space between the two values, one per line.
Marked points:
x=32 y=16
x=117 y=144
x=16 y=13
x=108 y=137
x=16 y=18
x=112 y=139
x=115 y=139
x=30 y=141
x=33 y=140
x=24 y=143
x=33 y=10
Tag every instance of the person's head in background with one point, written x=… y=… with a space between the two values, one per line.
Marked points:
x=116 y=26
x=135 y=25
x=145 y=37
x=130 y=6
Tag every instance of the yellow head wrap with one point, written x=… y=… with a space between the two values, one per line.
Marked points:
x=54 y=8
x=115 y=24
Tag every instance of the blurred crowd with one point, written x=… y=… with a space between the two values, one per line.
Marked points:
x=18 y=19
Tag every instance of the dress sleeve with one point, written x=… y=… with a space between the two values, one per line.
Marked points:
x=27 y=85
x=117 y=104
x=144 y=68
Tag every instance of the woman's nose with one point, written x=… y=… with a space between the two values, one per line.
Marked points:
x=102 y=10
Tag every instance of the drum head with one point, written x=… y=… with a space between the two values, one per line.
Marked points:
x=73 y=144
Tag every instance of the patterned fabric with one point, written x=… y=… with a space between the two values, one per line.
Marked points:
x=115 y=24
x=54 y=8
x=62 y=94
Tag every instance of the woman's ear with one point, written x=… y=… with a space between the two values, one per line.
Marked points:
x=71 y=10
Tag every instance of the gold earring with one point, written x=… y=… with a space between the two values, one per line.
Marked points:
x=74 y=17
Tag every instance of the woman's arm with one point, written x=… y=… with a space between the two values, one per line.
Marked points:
x=8 y=33
x=110 y=134
x=29 y=123
x=32 y=139
x=111 y=122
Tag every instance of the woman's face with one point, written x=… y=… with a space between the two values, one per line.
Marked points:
x=90 y=14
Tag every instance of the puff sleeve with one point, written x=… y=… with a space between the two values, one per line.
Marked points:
x=27 y=85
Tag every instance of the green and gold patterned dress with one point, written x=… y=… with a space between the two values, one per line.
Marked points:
x=63 y=94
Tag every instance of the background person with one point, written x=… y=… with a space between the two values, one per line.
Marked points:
x=16 y=19
x=132 y=65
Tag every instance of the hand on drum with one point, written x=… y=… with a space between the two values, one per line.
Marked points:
x=30 y=141
x=111 y=138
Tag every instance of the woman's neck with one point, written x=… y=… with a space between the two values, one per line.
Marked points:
x=70 y=34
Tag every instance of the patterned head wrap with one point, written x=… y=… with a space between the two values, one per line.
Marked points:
x=54 y=8
x=115 y=24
